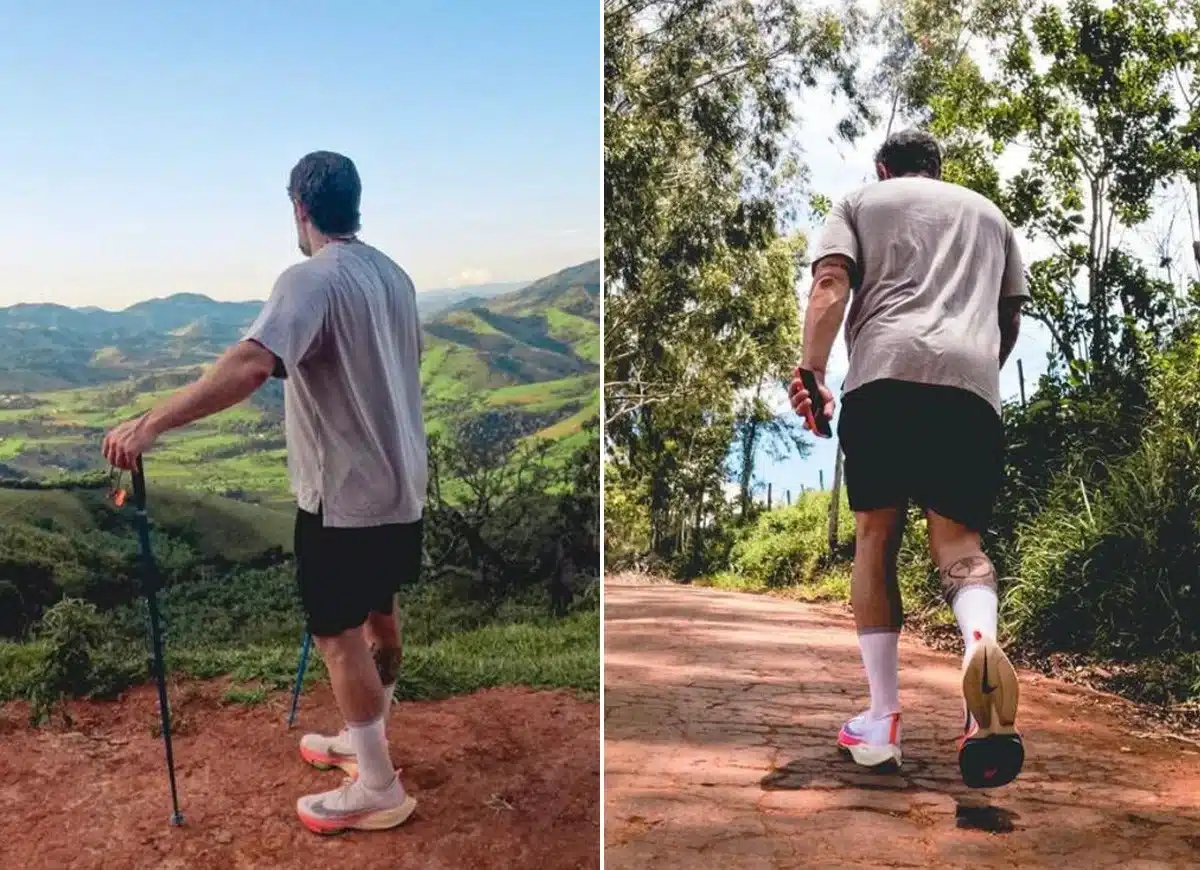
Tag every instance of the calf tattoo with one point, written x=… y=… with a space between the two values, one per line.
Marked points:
x=387 y=663
x=968 y=571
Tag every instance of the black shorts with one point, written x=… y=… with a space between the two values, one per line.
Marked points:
x=344 y=574
x=940 y=447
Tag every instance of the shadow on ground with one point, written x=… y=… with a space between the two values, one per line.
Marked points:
x=721 y=716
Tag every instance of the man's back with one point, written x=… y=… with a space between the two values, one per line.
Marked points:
x=355 y=433
x=934 y=259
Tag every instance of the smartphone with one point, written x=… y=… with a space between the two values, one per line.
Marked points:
x=818 y=423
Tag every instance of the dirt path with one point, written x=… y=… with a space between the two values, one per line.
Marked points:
x=506 y=778
x=721 y=714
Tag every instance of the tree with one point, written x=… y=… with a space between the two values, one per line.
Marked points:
x=1088 y=98
x=757 y=427
x=701 y=180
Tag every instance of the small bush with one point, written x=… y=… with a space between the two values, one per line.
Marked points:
x=77 y=659
x=787 y=545
x=1114 y=571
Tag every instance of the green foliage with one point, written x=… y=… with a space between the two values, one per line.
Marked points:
x=789 y=545
x=701 y=178
x=1109 y=563
x=77 y=659
x=1075 y=119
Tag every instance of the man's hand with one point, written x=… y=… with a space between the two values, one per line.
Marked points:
x=802 y=401
x=124 y=444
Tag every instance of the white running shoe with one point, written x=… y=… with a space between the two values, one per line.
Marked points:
x=872 y=742
x=355 y=807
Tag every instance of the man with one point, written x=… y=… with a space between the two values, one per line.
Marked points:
x=342 y=328
x=935 y=285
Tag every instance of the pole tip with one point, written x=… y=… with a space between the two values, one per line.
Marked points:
x=177 y=819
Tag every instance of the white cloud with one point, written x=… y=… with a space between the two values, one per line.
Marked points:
x=470 y=276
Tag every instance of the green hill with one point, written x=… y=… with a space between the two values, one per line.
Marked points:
x=66 y=375
x=546 y=332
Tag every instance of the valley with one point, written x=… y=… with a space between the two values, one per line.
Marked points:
x=67 y=375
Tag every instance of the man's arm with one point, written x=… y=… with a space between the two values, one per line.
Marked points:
x=241 y=370
x=1013 y=293
x=1010 y=325
x=826 y=310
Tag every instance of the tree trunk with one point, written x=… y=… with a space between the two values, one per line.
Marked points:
x=835 y=502
x=750 y=435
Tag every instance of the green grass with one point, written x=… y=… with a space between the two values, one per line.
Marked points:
x=573 y=424
x=559 y=654
x=576 y=331
x=832 y=584
x=227 y=453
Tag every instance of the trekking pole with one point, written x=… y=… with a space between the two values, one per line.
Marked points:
x=299 y=677
x=150 y=580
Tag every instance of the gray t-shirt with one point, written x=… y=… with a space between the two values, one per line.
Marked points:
x=344 y=324
x=934 y=260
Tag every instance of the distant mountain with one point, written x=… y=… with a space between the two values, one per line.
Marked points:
x=430 y=302
x=546 y=331
x=67 y=374
x=44 y=346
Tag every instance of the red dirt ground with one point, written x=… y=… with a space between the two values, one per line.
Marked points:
x=721 y=711
x=504 y=778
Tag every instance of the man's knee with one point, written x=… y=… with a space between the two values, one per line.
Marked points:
x=879 y=531
x=341 y=647
x=964 y=572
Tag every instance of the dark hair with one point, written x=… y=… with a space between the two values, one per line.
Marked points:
x=328 y=187
x=909 y=152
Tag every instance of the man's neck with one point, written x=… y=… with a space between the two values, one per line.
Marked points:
x=320 y=240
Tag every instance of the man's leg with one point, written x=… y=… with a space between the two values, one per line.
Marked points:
x=357 y=689
x=968 y=578
x=875 y=597
x=399 y=549
x=876 y=486
x=958 y=496
x=337 y=589
x=383 y=635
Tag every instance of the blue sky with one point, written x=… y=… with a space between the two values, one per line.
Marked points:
x=147 y=145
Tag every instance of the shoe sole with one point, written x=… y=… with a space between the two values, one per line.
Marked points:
x=994 y=755
x=378 y=820
x=322 y=761
x=875 y=757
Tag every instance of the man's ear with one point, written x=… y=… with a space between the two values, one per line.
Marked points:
x=881 y=172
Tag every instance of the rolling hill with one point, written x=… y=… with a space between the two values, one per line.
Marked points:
x=66 y=375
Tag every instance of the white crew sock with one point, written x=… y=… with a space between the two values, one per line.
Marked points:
x=369 y=741
x=881 y=659
x=977 y=609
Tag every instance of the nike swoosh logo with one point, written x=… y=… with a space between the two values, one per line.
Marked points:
x=987 y=690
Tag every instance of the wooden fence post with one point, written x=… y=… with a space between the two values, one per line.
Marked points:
x=834 y=502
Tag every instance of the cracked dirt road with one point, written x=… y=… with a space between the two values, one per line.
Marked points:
x=721 y=714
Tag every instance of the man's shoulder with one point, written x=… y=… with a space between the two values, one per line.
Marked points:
x=307 y=274
x=304 y=271
x=385 y=264
x=903 y=192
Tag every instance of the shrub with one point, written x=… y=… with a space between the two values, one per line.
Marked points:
x=78 y=659
x=787 y=545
